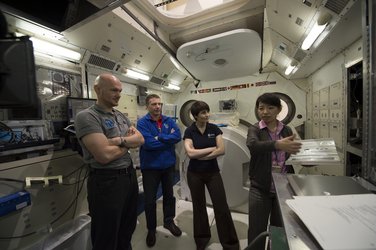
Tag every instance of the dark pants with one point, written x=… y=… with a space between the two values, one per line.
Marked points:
x=261 y=205
x=150 y=181
x=225 y=225
x=112 y=198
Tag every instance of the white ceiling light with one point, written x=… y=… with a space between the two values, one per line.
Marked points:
x=316 y=30
x=173 y=87
x=289 y=69
x=136 y=75
x=292 y=67
x=312 y=36
x=37 y=30
x=54 y=50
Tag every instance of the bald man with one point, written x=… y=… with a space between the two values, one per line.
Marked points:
x=105 y=135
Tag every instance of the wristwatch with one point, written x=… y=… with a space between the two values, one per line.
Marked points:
x=122 y=142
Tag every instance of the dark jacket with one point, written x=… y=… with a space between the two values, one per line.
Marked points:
x=261 y=147
x=158 y=153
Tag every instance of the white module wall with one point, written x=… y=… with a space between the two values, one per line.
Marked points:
x=327 y=122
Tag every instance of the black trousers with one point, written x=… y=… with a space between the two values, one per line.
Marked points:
x=225 y=225
x=112 y=198
x=150 y=181
x=263 y=206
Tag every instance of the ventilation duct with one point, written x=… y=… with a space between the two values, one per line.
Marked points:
x=101 y=62
x=157 y=80
x=336 y=5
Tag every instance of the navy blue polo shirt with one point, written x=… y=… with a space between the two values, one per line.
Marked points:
x=206 y=140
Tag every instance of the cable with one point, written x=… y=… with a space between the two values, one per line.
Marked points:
x=74 y=201
x=78 y=169
x=259 y=237
x=12 y=180
x=79 y=189
x=18 y=237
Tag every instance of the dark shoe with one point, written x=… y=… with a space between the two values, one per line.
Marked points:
x=202 y=242
x=150 y=238
x=173 y=229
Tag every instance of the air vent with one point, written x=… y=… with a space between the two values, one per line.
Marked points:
x=101 y=62
x=299 y=55
x=282 y=47
x=336 y=5
x=163 y=3
x=157 y=80
x=308 y=3
x=105 y=48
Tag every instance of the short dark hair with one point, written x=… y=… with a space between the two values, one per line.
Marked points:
x=269 y=99
x=150 y=96
x=199 y=106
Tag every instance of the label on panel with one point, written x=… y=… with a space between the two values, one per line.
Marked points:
x=335 y=94
x=335 y=132
x=316 y=130
x=324 y=130
x=324 y=98
x=316 y=100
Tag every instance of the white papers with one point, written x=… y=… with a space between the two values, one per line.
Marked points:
x=339 y=221
x=316 y=152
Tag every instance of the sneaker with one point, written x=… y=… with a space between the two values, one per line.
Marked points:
x=150 y=238
x=175 y=230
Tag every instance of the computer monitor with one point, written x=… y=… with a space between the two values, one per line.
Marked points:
x=18 y=86
x=75 y=105
x=56 y=15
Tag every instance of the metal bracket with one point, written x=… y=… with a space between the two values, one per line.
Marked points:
x=46 y=180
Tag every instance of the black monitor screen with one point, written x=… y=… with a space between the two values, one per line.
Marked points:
x=75 y=105
x=55 y=14
x=18 y=87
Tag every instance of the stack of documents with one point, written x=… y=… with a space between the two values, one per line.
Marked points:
x=316 y=152
x=339 y=222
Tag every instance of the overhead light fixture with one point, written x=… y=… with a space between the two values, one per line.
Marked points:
x=316 y=30
x=37 y=30
x=292 y=67
x=136 y=75
x=173 y=87
x=54 y=50
x=289 y=69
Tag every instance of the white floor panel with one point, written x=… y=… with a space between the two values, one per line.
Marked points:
x=184 y=219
